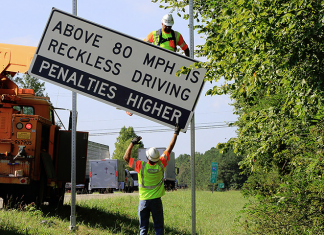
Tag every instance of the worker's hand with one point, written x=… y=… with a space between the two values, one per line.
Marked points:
x=176 y=129
x=136 y=140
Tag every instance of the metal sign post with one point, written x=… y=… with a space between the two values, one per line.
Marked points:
x=192 y=133
x=73 y=226
x=213 y=174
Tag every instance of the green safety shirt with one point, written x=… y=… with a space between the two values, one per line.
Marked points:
x=154 y=37
x=150 y=177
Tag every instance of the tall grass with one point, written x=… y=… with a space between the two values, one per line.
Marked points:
x=215 y=214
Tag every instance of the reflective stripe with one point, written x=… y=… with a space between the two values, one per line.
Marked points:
x=142 y=185
x=134 y=163
x=157 y=35
x=150 y=187
x=182 y=45
x=165 y=157
x=142 y=173
x=161 y=165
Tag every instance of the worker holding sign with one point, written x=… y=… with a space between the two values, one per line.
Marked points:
x=151 y=183
x=166 y=37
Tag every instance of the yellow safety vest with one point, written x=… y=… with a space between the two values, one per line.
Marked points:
x=167 y=37
x=151 y=181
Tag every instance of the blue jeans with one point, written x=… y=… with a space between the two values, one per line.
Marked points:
x=154 y=206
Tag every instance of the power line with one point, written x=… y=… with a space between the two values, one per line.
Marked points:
x=150 y=127
x=203 y=127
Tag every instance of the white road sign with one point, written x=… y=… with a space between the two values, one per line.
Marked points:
x=117 y=69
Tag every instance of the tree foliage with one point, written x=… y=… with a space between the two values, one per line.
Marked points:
x=270 y=54
x=228 y=169
x=26 y=81
x=123 y=140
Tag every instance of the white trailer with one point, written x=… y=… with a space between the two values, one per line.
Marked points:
x=96 y=151
x=106 y=174
x=170 y=171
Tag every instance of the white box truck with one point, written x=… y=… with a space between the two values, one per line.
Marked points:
x=134 y=175
x=106 y=175
x=170 y=172
x=95 y=151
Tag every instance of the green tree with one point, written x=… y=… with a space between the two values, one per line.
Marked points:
x=183 y=163
x=26 y=81
x=123 y=140
x=228 y=169
x=271 y=55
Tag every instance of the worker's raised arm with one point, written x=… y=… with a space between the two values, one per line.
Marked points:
x=174 y=139
x=149 y=38
x=128 y=152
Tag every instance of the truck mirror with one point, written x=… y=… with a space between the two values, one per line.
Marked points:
x=177 y=170
x=70 y=120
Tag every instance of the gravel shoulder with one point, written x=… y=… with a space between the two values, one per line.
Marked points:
x=80 y=197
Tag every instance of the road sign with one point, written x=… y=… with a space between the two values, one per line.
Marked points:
x=221 y=185
x=117 y=69
x=213 y=174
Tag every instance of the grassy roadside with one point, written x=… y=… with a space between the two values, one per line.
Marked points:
x=215 y=214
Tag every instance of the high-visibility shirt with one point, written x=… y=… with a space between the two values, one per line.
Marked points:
x=153 y=37
x=150 y=177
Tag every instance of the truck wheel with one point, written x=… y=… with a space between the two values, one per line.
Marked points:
x=84 y=191
x=41 y=196
x=10 y=196
x=57 y=197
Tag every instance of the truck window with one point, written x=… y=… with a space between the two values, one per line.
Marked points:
x=16 y=109
x=29 y=110
x=134 y=176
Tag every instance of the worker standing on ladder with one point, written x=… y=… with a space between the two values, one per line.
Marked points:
x=151 y=183
x=166 y=37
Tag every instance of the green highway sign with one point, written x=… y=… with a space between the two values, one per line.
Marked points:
x=221 y=185
x=213 y=172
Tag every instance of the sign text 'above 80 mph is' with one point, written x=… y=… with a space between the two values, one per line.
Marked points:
x=117 y=69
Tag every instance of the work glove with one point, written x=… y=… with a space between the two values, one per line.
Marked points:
x=176 y=129
x=136 y=140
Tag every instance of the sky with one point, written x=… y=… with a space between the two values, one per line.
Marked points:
x=23 y=23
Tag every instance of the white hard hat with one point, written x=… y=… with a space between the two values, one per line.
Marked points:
x=153 y=154
x=167 y=20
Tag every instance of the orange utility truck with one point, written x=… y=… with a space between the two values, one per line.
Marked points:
x=35 y=155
